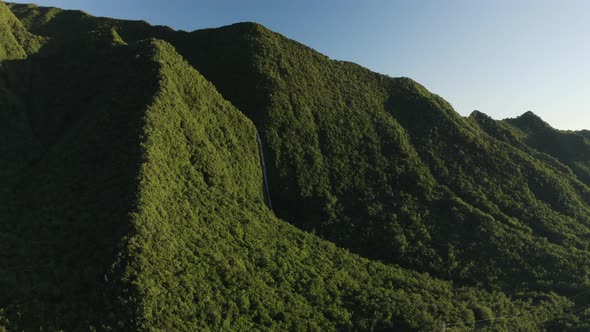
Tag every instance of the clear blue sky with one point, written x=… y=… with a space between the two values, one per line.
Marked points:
x=502 y=57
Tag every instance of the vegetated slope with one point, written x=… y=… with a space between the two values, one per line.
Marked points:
x=142 y=208
x=365 y=160
x=73 y=135
x=207 y=252
x=585 y=133
x=15 y=41
x=383 y=167
x=570 y=148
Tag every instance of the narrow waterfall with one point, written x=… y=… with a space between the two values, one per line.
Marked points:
x=264 y=176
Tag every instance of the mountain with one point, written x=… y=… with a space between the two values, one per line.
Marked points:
x=135 y=197
x=570 y=148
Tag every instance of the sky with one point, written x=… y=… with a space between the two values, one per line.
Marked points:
x=501 y=57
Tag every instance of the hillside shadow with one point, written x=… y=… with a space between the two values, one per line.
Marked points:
x=68 y=201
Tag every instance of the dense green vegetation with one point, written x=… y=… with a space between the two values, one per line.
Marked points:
x=383 y=167
x=15 y=41
x=71 y=138
x=570 y=148
x=134 y=195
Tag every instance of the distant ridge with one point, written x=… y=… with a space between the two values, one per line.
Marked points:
x=529 y=121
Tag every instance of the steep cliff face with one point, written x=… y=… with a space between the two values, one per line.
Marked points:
x=135 y=197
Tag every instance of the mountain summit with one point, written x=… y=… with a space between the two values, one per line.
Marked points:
x=139 y=164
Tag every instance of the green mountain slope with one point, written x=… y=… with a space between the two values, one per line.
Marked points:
x=66 y=205
x=207 y=252
x=383 y=167
x=15 y=41
x=570 y=148
x=189 y=244
x=135 y=191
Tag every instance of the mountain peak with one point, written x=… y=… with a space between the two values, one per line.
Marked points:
x=530 y=115
x=529 y=122
x=478 y=114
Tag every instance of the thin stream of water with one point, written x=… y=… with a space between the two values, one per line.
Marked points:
x=265 y=178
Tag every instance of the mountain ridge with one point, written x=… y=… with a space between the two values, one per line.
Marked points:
x=377 y=165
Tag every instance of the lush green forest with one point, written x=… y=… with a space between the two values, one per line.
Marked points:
x=133 y=196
